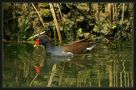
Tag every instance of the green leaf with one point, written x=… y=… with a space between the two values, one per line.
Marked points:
x=79 y=30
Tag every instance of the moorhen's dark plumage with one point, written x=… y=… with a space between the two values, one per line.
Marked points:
x=76 y=47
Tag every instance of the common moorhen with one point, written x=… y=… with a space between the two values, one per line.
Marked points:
x=76 y=47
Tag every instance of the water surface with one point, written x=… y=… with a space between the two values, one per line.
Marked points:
x=102 y=67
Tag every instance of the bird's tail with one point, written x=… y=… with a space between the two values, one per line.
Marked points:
x=92 y=45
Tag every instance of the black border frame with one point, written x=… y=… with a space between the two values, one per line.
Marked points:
x=65 y=1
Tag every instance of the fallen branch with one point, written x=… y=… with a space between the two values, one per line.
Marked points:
x=36 y=35
x=10 y=19
x=5 y=41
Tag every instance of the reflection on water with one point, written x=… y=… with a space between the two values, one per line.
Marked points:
x=102 y=67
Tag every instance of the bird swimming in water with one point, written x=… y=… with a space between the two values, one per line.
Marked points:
x=73 y=48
